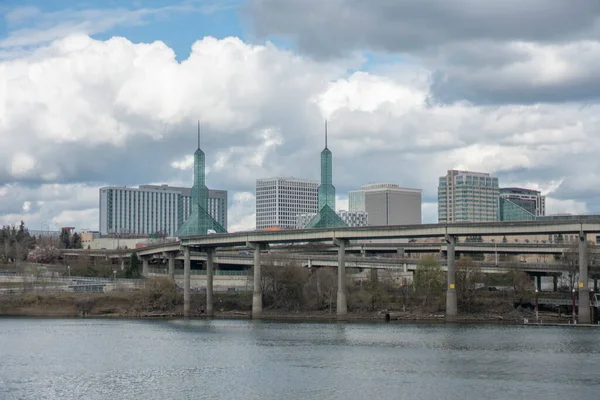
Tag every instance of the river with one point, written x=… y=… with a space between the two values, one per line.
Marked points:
x=238 y=359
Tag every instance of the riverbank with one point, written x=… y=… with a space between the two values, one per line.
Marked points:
x=231 y=306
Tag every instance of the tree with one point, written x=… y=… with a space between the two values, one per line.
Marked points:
x=133 y=269
x=15 y=243
x=65 y=238
x=76 y=241
x=467 y=279
x=520 y=281
x=570 y=263
x=594 y=264
x=44 y=254
x=428 y=278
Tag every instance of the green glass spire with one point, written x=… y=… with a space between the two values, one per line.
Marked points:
x=199 y=222
x=326 y=217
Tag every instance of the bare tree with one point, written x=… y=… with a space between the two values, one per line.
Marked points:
x=428 y=278
x=594 y=264
x=570 y=263
x=282 y=283
x=521 y=282
x=467 y=278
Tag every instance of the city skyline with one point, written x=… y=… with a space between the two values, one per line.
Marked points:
x=101 y=96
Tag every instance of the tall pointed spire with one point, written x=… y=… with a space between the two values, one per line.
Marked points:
x=200 y=222
x=326 y=217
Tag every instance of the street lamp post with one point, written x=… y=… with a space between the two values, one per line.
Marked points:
x=574 y=315
x=496 y=252
x=536 y=303
x=592 y=306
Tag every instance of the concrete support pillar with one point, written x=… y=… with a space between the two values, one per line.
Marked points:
x=145 y=269
x=186 y=281
x=209 y=281
x=374 y=277
x=584 y=291
x=342 y=306
x=401 y=252
x=171 y=258
x=309 y=262
x=257 y=291
x=555 y=283
x=538 y=282
x=451 y=304
x=122 y=264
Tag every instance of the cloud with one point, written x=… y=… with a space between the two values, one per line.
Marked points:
x=79 y=113
x=325 y=28
x=241 y=212
x=496 y=51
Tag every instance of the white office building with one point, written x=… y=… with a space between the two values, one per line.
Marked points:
x=280 y=200
x=466 y=196
x=351 y=218
x=151 y=208
x=387 y=204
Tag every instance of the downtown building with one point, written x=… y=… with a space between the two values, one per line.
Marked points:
x=152 y=209
x=518 y=204
x=466 y=196
x=387 y=204
x=280 y=200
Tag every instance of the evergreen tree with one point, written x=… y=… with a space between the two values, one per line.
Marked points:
x=133 y=271
x=65 y=239
x=76 y=241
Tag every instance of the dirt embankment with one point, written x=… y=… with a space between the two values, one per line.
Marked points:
x=161 y=298
x=140 y=304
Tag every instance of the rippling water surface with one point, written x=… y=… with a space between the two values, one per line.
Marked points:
x=230 y=359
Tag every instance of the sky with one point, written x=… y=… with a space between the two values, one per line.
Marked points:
x=96 y=93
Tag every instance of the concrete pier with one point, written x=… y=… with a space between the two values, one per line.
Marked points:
x=209 y=281
x=451 y=304
x=171 y=257
x=145 y=269
x=186 y=281
x=257 y=290
x=584 y=292
x=342 y=306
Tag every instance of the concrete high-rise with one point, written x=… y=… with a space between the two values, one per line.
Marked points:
x=153 y=208
x=387 y=204
x=466 y=196
x=279 y=200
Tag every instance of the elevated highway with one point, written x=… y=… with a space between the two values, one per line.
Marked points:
x=342 y=238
